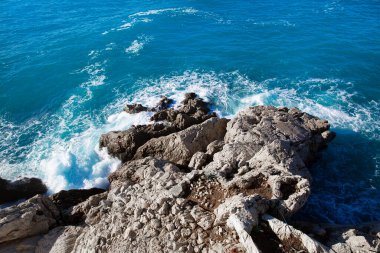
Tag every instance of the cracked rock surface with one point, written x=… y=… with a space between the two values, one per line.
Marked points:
x=189 y=182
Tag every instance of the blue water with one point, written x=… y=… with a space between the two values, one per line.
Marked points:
x=68 y=67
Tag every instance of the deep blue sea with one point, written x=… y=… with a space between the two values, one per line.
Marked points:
x=68 y=67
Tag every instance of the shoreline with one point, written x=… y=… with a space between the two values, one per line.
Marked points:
x=226 y=177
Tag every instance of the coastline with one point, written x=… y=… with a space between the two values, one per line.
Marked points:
x=220 y=179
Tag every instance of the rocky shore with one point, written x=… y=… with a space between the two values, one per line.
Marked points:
x=192 y=182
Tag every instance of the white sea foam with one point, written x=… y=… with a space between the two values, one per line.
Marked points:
x=149 y=15
x=133 y=22
x=96 y=72
x=281 y=22
x=160 y=11
x=66 y=154
x=330 y=99
x=137 y=45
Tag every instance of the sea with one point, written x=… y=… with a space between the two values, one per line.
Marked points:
x=68 y=67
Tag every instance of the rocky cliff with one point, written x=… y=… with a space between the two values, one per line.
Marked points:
x=192 y=182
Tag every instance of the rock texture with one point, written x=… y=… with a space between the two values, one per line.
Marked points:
x=345 y=238
x=286 y=233
x=20 y=189
x=124 y=144
x=180 y=147
x=32 y=217
x=193 y=182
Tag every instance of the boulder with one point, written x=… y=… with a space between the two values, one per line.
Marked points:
x=123 y=144
x=32 y=217
x=180 y=147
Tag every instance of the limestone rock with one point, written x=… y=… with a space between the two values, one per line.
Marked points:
x=59 y=240
x=25 y=245
x=274 y=144
x=123 y=144
x=193 y=183
x=286 y=232
x=353 y=238
x=214 y=147
x=164 y=103
x=198 y=160
x=32 y=217
x=180 y=147
x=193 y=110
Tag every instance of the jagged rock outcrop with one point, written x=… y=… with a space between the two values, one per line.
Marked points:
x=124 y=144
x=20 y=189
x=270 y=148
x=193 y=182
x=180 y=147
x=32 y=217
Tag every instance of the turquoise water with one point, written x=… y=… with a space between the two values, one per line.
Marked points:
x=68 y=67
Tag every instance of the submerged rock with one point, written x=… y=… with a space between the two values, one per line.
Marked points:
x=20 y=189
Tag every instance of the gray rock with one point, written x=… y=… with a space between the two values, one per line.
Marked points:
x=198 y=160
x=180 y=147
x=195 y=183
x=123 y=144
x=59 y=240
x=32 y=217
x=286 y=232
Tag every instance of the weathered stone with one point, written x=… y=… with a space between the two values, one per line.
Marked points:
x=180 y=147
x=197 y=183
x=32 y=217
x=59 y=239
x=286 y=232
x=203 y=218
x=198 y=160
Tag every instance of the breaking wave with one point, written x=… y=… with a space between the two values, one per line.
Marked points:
x=66 y=154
